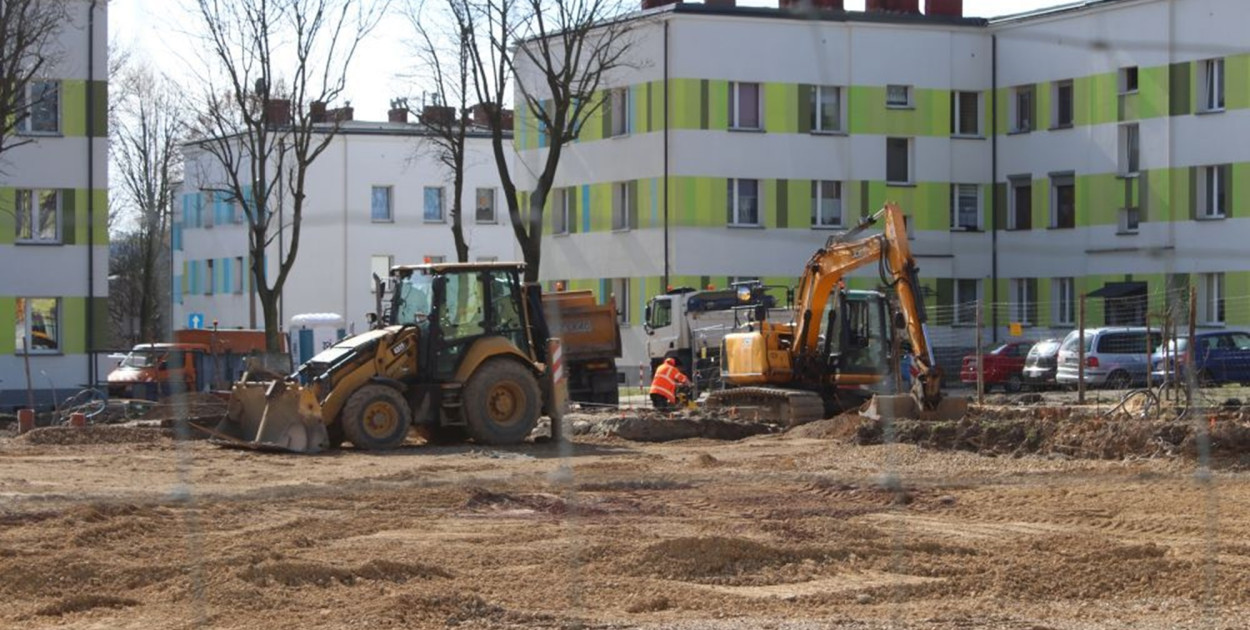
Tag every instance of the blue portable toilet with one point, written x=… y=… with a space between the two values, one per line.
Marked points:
x=313 y=332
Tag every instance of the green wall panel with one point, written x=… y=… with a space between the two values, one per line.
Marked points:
x=781 y=106
x=1096 y=99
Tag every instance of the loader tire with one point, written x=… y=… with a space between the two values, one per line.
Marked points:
x=376 y=418
x=501 y=403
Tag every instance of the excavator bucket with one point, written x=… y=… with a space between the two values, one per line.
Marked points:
x=276 y=415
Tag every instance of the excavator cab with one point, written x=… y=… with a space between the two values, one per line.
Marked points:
x=857 y=337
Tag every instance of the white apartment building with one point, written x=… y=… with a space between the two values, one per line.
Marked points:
x=54 y=220
x=376 y=197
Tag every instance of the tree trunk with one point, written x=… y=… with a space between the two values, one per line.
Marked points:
x=269 y=310
x=457 y=218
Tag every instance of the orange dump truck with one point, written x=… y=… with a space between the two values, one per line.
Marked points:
x=197 y=360
x=591 y=341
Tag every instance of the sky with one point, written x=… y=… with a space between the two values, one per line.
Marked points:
x=154 y=30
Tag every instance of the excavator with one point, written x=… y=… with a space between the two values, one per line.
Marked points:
x=840 y=343
x=460 y=353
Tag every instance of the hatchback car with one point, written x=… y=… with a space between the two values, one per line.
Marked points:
x=1042 y=363
x=1002 y=366
x=1222 y=357
x=1115 y=357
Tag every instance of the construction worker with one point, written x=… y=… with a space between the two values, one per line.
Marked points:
x=664 y=385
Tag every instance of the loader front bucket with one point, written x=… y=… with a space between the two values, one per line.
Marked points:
x=276 y=415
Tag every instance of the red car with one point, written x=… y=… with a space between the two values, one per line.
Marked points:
x=1003 y=366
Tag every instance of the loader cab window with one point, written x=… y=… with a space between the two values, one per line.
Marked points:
x=506 y=311
x=463 y=314
x=661 y=313
x=413 y=299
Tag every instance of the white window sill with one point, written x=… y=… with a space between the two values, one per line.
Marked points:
x=967 y=136
x=745 y=226
x=615 y=136
x=486 y=223
x=968 y=229
x=901 y=184
x=1019 y=132
x=382 y=220
x=38 y=353
x=1211 y=217
x=1127 y=232
x=621 y=230
x=828 y=132
x=39 y=134
x=1128 y=92
x=1063 y=126
x=904 y=106
x=746 y=129
x=565 y=233
x=39 y=242
x=434 y=221
x=1217 y=110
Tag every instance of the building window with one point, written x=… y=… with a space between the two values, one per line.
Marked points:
x=1211 y=84
x=1128 y=80
x=238 y=274
x=620 y=111
x=210 y=217
x=744 y=105
x=434 y=204
x=744 y=200
x=826 y=108
x=1024 y=301
x=485 y=205
x=379 y=266
x=965 y=207
x=38 y=325
x=1212 y=298
x=210 y=276
x=1020 y=215
x=1064 y=300
x=967 y=293
x=826 y=204
x=1130 y=149
x=898 y=160
x=1062 y=202
x=380 y=210
x=898 y=96
x=966 y=114
x=1062 y=114
x=563 y=211
x=38 y=217
x=1213 y=192
x=621 y=204
x=1130 y=220
x=42 y=106
x=620 y=291
x=1022 y=102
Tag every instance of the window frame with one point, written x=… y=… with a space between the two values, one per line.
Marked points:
x=1057 y=182
x=1013 y=210
x=955 y=223
x=965 y=312
x=817 y=216
x=908 y=101
x=1214 y=299
x=237 y=280
x=1063 y=297
x=1022 y=117
x=619 y=112
x=735 y=206
x=1058 y=100
x=908 y=165
x=735 y=106
x=956 y=111
x=1129 y=142
x=26 y=346
x=1211 y=202
x=477 y=206
x=28 y=106
x=817 y=106
x=621 y=207
x=620 y=292
x=442 y=204
x=1128 y=79
x=564 y=198
x=390 y=204
x=1212 y=84
x=31 y=208
x=1023 y=311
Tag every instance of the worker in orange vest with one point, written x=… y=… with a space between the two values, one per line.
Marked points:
x=664 y=386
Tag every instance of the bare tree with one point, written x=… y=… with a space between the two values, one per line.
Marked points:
x=27 y=51
x=147 y=136
x=558 y=53
x=442 y=46
x=272 y=67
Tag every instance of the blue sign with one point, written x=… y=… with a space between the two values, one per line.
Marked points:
x=195 y=320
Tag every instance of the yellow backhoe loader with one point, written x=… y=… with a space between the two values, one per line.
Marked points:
x=461 y=352
x=840 y=343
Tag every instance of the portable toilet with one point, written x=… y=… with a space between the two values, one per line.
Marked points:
x=313 y=332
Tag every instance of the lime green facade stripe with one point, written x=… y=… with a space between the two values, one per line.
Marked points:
x=8 y=217
x=74 y=107
x=1237 y=82
x=1044 y=94
x=781 y=104
x=929 y=116
x=1095 y=99
x=8 y=323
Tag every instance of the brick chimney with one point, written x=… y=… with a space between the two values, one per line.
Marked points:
x=954 y=8
x=397 y=114
x=438 y=114
x=278 y=111
x=481 y=115
x=819 y=5
x=317 y=111
x=893 y=6
x=340 y=114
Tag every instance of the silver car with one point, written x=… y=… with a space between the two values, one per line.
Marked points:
x=1115 y=357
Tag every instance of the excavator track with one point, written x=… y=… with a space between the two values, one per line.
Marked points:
x=776 y=405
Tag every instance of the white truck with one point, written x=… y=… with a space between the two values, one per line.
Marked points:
x=688 y=325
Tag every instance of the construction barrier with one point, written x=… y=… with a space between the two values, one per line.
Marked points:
x=559 y=388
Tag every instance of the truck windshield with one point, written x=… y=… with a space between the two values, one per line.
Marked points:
x=661 y=312
x=141 y=359
x=413 y=299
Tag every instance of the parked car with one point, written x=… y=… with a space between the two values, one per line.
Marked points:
x=1222 y=357
x=1042 y=363
x=1002 y=366
x=1115 y=357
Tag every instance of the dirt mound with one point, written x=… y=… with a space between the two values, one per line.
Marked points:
x=189 y=405
x=718 y=559
x=296 y=573
x=841 y=427
x=80 y=603
x=661 y=427
x=94 y=435
x=459 y=609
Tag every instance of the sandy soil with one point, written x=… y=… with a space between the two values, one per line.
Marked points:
x=798 y=530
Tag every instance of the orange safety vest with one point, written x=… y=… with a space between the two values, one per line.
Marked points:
x=665 y=382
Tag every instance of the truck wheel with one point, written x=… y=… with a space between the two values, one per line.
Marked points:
x=501 y=403
x=376 y=418
x=1013 y=384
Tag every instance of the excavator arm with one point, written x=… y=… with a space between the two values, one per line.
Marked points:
x=828 y=268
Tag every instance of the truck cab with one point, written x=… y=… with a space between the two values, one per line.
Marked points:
x=151 y=371
x=688 y=325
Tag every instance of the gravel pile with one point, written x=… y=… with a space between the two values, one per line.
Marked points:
x=94 y=435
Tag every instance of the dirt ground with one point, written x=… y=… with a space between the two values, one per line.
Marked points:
x=829 y=525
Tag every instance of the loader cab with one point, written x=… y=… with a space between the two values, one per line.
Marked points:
x=455 y=305
x=857 y=336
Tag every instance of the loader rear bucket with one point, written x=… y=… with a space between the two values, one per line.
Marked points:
x=276 y=415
